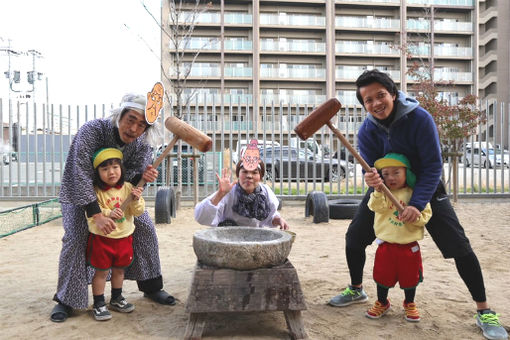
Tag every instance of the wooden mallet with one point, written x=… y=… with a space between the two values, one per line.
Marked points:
x=181 y=130
x=322 y=115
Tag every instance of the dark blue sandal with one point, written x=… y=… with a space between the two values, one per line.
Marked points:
x=60 y=313
x=161 y=297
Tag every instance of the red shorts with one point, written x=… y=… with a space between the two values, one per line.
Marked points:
x=104 y=253
x=398 y=263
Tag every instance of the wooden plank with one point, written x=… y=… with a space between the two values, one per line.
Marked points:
x=295 y=324
x=227 y=290
x=195 y=326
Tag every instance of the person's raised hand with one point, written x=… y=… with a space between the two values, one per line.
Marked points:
x=225 y=183
x=372 y=179
x=150 y=174
x=409 y=215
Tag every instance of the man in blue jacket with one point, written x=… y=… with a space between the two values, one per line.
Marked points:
x=396 y=123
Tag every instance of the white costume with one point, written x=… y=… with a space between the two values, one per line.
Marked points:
x=208 y=214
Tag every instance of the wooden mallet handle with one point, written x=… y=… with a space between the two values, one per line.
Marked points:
x=181 y=130
x=156 y=163
x=364 y=164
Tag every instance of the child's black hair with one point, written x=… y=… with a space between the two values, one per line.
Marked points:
x=97 y=179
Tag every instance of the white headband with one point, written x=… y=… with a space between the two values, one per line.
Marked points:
x=132 y=105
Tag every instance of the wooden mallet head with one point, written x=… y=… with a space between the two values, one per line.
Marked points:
x=318 y=118
x=189 y=134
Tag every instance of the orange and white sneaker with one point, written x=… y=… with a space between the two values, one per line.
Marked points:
x=377 y=310
x=412 y=314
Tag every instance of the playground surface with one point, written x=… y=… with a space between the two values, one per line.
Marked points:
x=28 y=278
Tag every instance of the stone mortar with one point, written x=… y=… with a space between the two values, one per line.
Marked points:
x=241 y=248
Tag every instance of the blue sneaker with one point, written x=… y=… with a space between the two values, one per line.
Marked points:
x=489 y=323
x=349 y=296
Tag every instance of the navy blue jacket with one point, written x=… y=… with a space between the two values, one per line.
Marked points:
x=412 y=133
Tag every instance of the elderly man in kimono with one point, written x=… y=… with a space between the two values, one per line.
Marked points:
x=127 y=130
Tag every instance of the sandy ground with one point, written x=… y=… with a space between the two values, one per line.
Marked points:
x=28 y=277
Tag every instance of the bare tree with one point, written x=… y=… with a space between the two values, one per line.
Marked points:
x=178 y=23
x=454 y=122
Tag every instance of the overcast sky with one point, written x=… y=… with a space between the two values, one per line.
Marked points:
x=89 y=55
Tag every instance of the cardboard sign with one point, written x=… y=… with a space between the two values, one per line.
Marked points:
x=251 y=156
x=154 y=103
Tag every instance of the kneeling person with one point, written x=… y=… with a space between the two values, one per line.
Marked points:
x=246 y=202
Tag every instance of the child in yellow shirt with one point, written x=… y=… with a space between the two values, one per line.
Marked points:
x=398 y=257
x=106 y=248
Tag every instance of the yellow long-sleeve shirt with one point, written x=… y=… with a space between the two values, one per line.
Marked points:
x=386 y=225
x=111 y=199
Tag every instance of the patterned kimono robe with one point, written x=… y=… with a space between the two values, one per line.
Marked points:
x=77 y=191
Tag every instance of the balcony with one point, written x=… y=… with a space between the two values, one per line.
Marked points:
x=448 y=26
x=393 y=2
x=363 y=48
x=213 y=44
x=238 y=45
x=353 y=74
x=291 y=99
x=292 y=20
x=441 y=51
x=347 y=98
x=441 y=75
x=213 y=98
x=215 y=72
x=318 y=74
x=238 y=18
x=224 y=125
x=369 y=22
x=300 y=46
x=442 y=2
x=206 y=18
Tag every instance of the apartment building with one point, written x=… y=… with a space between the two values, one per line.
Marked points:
x=494 y=64
x=300 y=53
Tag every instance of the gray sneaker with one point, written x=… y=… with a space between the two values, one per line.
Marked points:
x=349 y=296
x=101 y=312
x=489 y=323
x=121 y=305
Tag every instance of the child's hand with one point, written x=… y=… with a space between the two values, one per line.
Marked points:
x=116 y=214
x=372 y=179
x=137 y=193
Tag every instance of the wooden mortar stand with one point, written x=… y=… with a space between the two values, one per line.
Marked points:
x=218 y=290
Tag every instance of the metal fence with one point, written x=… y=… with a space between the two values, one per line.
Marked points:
x=35 y=141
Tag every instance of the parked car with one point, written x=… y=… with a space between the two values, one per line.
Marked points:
x=477 y=154
x=302 y=165
x=319 y=149
x=241 y=146
x=187 y=166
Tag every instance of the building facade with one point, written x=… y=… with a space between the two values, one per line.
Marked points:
x=294 y=52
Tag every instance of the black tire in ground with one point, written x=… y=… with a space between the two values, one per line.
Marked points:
x=164 y=208
x=343 y=209
x=317 y=206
